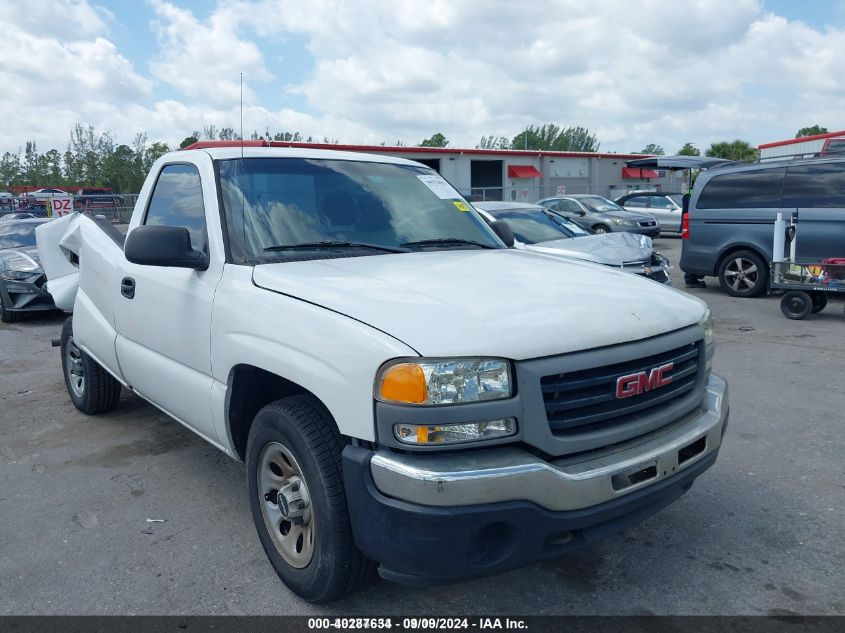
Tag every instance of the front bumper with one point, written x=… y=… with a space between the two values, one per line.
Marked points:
x=442 y=517
x=650 y=231
x=25 y=296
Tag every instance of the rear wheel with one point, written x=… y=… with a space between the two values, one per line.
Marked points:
x=743 y=274
x=91 y=388
x=819 y=301
x=298 y=502
x=796 y=304
x=600 y=229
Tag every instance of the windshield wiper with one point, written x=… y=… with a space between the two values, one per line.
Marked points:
x=334 y=244
x=446 y=241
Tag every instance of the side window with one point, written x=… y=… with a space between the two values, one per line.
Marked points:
x=821 y=185
x=757 y=189
x=177 y=201
x=639 y=202
x=569 y=206
x=659 y=202
x=551 y=204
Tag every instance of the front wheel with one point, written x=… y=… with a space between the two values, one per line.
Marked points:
x=298 y=502
x=601 y=229
x=743 y=274
x=91 y=388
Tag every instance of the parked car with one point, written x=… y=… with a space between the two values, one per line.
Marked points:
x=601 y=215
x=8 y=204
x=97 y=199
x=537 y=228
x=406 y=390
x=39 y=197
x=22 y=288
x=664 y=206
x=19 y=215
x=728 y=230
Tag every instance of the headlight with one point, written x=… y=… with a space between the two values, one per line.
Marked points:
x=422 y=434
x=446 y=381
x=622 y=222
x=16 y=275
x=707 y=323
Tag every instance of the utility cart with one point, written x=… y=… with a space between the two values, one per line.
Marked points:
x=807 y=285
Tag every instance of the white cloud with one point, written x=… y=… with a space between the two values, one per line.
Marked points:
x=634 y=73
x=203 y=60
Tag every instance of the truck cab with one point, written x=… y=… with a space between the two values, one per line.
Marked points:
x=408 y=393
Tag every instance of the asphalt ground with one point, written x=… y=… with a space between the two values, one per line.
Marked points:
x=759 y=533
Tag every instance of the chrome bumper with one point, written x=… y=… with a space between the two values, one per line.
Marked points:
x=512 y=474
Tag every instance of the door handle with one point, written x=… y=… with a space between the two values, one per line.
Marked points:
x=127 y=287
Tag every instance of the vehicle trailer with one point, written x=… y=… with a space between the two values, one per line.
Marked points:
x=407 y=392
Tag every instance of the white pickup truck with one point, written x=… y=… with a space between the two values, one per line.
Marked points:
x=407 y=391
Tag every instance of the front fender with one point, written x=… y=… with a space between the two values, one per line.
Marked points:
x=331 y=355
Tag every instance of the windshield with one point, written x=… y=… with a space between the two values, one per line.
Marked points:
x=337 y=208
x=533 y=227
x=17 y=235
x=677 y=199
x=597 y=204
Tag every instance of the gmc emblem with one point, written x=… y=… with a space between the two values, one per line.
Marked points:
x=635 y=384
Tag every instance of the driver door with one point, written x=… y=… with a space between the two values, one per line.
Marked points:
x=164 y=313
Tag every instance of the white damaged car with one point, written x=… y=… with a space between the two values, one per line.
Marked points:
x=541 y=230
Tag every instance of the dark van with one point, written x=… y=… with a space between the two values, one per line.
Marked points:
x=728 y=231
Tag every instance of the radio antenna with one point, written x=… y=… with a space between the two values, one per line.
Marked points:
x=241 y=170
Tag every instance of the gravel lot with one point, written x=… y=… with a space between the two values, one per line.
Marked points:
x=760 y=533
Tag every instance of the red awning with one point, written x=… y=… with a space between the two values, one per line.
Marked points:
x=639 y=173
x=523 y=171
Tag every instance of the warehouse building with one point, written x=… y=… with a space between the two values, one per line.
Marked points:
x=797 y=147
x=520 y=175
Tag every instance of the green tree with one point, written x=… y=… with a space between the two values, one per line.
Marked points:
x=120 y=169
x=494 y=142
x=811 y=131
x=436 y=140
x=188 y=140
x=732 y=150
x=653 y=148
x=52 y=168
x=10 y=170
x=555 y=138
x=689 y=150
x=288 y=137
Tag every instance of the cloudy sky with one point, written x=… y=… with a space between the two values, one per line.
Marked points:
x=367 y=71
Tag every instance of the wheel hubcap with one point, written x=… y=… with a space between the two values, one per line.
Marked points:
x=741 y=274
x=286 y=504
x=75 y=371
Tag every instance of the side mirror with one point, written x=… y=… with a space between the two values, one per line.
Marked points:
x=163 y=246
x=503 y=230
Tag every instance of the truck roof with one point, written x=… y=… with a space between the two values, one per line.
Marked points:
x=227 y=152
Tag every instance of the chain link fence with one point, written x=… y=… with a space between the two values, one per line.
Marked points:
x=116 y=208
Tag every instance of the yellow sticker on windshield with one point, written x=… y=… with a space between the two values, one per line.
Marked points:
x=461 y=205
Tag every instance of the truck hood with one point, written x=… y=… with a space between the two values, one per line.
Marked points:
x=509 y=303
x=612 y=249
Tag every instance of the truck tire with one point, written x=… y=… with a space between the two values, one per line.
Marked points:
x=298 y=502
x=743 y=274
x=91 y=388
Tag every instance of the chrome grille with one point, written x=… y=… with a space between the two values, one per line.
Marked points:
x=581 y=400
